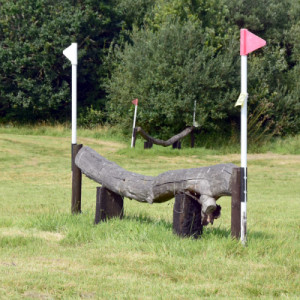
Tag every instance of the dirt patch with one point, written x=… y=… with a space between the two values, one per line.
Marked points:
x=46 y=235
x=182 y=162
x=261 y=156
x=30 y=140
x=278 y=158
x=36 y=295
x=113 y=146
x=87 y=295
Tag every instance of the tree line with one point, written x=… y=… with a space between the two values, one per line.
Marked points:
x=166 y=53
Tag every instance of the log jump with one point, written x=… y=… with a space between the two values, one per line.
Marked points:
x=204 y=185
x=174 y=140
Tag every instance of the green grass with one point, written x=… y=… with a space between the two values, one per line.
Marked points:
x=46 y=253
x=289 y=145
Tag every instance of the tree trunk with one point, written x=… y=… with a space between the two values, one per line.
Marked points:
x=169 y=142
x=205 y=184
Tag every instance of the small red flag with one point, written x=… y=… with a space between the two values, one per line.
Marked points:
x=250 y=42
x=135 y=101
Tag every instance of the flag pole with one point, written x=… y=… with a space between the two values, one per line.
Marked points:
x=248 y=42
x=135 y=102
x=194 y=114
x=74 y=104
x=71 y=54
x=244 y=149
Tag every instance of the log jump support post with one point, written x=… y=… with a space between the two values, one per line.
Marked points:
x=187 y=216
x=236 y=197
x=176 y=145
x=148 y=145
x=76 y=182
x=192 y=139
x=134 y=137
x=108 y=205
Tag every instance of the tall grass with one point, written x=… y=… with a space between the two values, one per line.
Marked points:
x=287 y=145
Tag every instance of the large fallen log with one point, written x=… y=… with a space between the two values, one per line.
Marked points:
x=205 y=184
x=167 y=143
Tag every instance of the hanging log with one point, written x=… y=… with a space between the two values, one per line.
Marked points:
x=205 y=184
x=167 y=143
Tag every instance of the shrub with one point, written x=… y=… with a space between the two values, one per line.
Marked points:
x=168 y=70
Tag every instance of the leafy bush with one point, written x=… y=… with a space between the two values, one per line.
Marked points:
x=168 y=70
x=91 y=118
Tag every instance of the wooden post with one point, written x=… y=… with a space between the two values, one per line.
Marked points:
x=108 y=205
x=177 y=145
x=236 y=203
x=187 y=216
x=134 y=136
x=148 y=145
x=192 y=139
x=76 y=182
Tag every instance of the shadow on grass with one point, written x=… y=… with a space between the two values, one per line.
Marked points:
x=226 y=233
x=259 y=235
x=80 y=223
x=142 y=219
x=218 y=232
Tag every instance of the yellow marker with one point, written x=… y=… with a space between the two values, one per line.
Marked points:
x=240 y=101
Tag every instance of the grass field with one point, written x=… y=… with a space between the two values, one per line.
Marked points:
x=46 y=253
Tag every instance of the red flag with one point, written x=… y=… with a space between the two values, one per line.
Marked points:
x=250 y=42
x=135 y=101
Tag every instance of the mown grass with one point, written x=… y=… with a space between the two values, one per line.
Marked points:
x=47 y=253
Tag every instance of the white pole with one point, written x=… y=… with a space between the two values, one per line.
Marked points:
x=194 y=114
x=244 y=112
x=244 y=148
x=74 y=103
x=134 y=120
x=71 y=54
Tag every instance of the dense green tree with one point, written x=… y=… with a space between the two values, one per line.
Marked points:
x=34 y=75
x=168 y=53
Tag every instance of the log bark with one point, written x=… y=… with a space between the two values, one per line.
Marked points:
x=205 y=184
x=167 y=143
